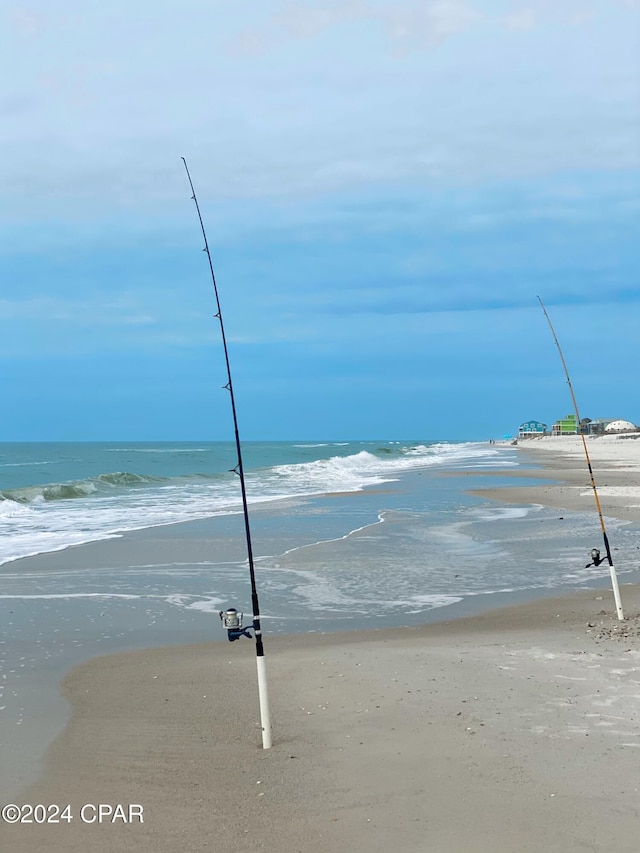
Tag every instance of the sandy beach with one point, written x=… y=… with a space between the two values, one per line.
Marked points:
x=517 y=730
x=616 y=466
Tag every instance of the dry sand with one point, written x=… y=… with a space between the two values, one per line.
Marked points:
x=513 y=732
x=615 y=462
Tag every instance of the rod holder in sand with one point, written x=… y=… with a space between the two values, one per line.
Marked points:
x=239 y=470
x=612 y=571
x=232 y=622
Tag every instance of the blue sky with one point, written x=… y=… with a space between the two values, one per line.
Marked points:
x=386 y=187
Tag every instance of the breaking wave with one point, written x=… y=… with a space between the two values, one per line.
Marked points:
x=52 y=516
x=78 y=489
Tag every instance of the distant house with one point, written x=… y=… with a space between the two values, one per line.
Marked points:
x=587 y=426
x=620 y=426
x=531 y=428
x=600 y=426
x=597 y=426
x=565 y=426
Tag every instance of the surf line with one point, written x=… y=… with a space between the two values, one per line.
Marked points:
x=612 y=571
x=265 y=719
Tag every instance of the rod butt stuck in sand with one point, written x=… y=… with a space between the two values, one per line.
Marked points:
x=612 y=571
x=263 y=694
x=232 y=620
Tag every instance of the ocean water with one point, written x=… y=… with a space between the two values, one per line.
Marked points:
x=345 y=534
x=105 y=547
x=56 y=495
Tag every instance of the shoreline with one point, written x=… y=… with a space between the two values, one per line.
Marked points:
x=616 y=468
x=494 y=627
x=454 y=736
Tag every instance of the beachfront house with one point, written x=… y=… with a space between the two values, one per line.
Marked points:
x=597 y=426
x=565 y=426
x=600 y=426
x=530 y=429
x=620 y=426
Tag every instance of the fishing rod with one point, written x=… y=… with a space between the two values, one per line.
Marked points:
x=232 y=620
x=595 y=553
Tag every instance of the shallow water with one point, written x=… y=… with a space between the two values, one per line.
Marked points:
x=407 y=546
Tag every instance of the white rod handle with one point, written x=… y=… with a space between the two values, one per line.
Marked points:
x=263 y=695
x=616 y=593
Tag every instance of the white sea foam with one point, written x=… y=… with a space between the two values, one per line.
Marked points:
x=321 y=444
x=97 y=508
x=420 y=603
x=337 y=474
x=362 y=469
x=208 y=605
x=499 y=513
x=157 y=450
x=11 y=509
x=29 y=464
x=65 y=595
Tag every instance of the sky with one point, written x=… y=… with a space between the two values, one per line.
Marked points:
x=387 y=187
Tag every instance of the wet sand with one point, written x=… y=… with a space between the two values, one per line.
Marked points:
x=615 y=463
x=518 y=730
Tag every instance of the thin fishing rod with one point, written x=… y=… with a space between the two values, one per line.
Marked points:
x=614 y=580
x=239 y=470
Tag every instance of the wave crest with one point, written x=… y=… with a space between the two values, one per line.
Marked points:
x=125 y=478
x=75 y=489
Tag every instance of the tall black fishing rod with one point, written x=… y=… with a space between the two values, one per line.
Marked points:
x=231 y=619
x=595 y=553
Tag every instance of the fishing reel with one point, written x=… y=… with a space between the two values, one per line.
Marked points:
x=596 y=559
x=232 y=622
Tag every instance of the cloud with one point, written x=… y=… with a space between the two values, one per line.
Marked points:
x=523 y=19
x=296 y=21
x=89 y=311
x=407 y=26
x=306 y=20
x=24 y=22
x=97 y=114
x=422 y=26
